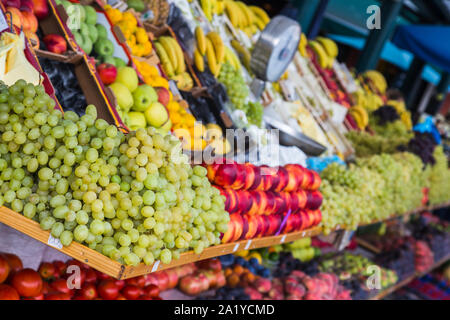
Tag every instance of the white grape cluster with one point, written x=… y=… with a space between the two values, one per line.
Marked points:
x=371 y=189
x=131 y=197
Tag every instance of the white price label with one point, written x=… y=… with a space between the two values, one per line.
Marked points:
x=249 y=242
x=236 y=247
x=283 y=239
x=155 y=265
x=303 y=233
x=3 y=24
x=53 y=242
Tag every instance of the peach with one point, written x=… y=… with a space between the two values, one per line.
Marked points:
x=233 y=203
x=261 y=199
x=313 y=200
x=283 y=176
x=254 y=209
x=245 y=201
x=316 y=181
x=267 y=179
x=229 y=234
x=33 y=36
x=301 y=198
x=249 y=175
x=280 y=204
x=263 y=285
x=226 y=174
x=239 y=182
x=258 y=181
x=274 y=224
x=252 y=227
x=307 y=180
x=212 y=170
x=245 y=227
x=17 y=18
x=239 y=226
x=233 y=280
x=270 y=206
x=30 y=21
x=253 y=294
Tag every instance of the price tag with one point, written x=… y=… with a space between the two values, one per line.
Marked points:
x=249 y=242
x=283 y=238
x=148 y=15
x=236 y=247
x=303 y=233
x=155 y=265
x=55 y=243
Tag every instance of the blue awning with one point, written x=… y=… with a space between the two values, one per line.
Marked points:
x=430 y=43
x=392 y=54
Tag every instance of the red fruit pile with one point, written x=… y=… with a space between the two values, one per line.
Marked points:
x=298 y=286
x=260 y=198
x=423 y=256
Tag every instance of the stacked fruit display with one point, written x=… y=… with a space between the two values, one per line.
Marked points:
x=133 y=198
x=349 y=265
x=172 y=61
x=25 y=14
x=371 y=189
x=302 y=250
x=207 y=276
x=135 y=35
x=259 y=199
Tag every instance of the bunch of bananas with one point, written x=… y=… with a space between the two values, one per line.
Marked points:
x=405 y=116
x=249 y=19
x=172 y=60
x=360 y=115
x=244 y=54
x=377 y=79
x=325 y=49
x=215 y=51
x=367 y=99
x=302 y=45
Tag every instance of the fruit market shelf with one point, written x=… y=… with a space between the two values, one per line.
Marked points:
x=381 y=295
x=102 y=263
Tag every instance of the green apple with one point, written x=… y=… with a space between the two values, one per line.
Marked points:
x=91 y=15
x=119 y=62
x=104 y=47
x=82 y=12
x=93 y=34
x=78 y=38
x=156 y=114
x=87 y=44
x=136 y=120
x=143 y=96
x=167 y=126
x=128 y=77
x=109 y=60
x=84 y=29
x=123 y=95
x=137 y=5
x=101 y=30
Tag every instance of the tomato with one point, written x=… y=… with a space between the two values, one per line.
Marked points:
x=27 y=282
x=8 y=293
x=15 y=264
x=145 y=297
x=60 y=285
x=60 y=267
x=57 y=296
x=136 y=281
x=152 y=290
x=88 y=291
x=46 y=270
x=46 y=288
x=74 y=262
x=131 y=292
x=120 y=284
x=108 y=290
x=4 y=269
x=91 y=276
x=71 y=276
x=102 y=276
x=38 y=297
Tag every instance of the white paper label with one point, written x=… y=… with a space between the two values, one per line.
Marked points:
x=248 y=244
x=155 y=265
x=3 y=23
x=53 y=242
x=236 y=247
x=283 y=238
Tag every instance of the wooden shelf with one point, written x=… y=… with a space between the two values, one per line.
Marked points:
x=104 y=264
x=381 y=295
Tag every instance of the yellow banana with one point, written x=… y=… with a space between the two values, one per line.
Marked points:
x=244 y=54
x=211 y=56
x=207 y=8
x=220 y=7
x=260 y=13
x=165 y=61
x=232 y=13
x=259 y=23
x=246 y=19
x=218 y=46
x=329 y=45
x=198 y=60
x=233 y=59
x=322 y=56
x=181 y=66
x=201 y=41
x=170 y=50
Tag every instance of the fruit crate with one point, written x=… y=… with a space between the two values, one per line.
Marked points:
x=104 y=264
x=89 y=80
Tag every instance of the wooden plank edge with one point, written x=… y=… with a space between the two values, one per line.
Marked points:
x=112 y=268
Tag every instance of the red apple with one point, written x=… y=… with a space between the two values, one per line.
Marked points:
x=40 y=8
x=107 y=73
x=163 y=96
x=55 y=43
x=26 y=6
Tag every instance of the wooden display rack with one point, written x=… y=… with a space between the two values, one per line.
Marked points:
x=104 y=264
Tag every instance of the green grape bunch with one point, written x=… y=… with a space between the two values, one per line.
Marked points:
x=134 y=198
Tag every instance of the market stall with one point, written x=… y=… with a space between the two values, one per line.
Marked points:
x=201 y=149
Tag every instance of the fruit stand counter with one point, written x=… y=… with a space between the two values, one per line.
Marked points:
x=119 y=271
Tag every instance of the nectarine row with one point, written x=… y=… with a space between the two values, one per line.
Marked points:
x=268 y=202
x=245 y=227
x=291 y=177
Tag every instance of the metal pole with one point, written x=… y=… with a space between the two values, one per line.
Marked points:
x=305 y=13
x=375 y=41
x=412 y=81
x=317 y=20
